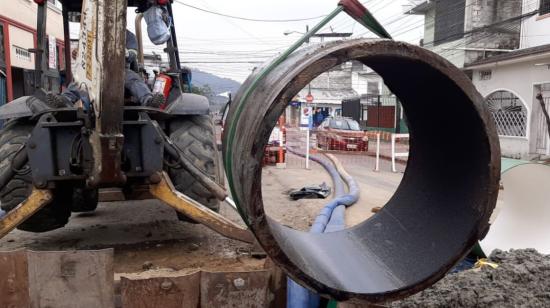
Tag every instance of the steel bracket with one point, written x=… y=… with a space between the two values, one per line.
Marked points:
x=166 y=192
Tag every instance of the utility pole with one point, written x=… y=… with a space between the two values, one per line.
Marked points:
x=322 y=36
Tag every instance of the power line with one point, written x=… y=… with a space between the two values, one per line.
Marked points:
x=246 y=18
x=228 y=53
x=228 y=20
x=481 y=29
x=225 y=62
x=447 y=13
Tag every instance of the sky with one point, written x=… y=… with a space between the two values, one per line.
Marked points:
x=205 y=37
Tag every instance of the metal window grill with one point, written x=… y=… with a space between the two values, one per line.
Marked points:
x=509 y=114
x=544 y=7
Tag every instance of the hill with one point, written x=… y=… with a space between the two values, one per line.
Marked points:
x=218 y=85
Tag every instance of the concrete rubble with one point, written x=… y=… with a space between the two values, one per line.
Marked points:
x=522 y=279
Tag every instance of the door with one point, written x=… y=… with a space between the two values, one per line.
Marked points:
x=3 y=76
x=3 y=89
x=543 y=142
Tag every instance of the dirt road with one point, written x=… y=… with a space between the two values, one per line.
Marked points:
x=147 y=234
x=142 y=232
x=376 y=189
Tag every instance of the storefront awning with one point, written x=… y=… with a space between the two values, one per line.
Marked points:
x=327 y=96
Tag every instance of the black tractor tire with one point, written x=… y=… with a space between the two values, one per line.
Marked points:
x=194 y=136
x=54 y=215
x=84 y=200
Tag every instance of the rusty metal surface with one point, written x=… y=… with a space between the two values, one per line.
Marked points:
x=246 y=289
x=166 y=192
x=107 y=153
x=100 y=72
x=37 y=199
x=71 y=279
x=165 y=292
x=14 y=279
x=111 y=38
x=439 y=211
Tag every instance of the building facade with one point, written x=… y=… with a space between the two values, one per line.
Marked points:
x=464 y=31
x=535 y=30
x=511 y=83
x=327 y=90
x=18 y=38
x=351 y=84
x=504 y=46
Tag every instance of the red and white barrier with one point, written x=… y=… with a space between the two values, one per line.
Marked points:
x=395 y=154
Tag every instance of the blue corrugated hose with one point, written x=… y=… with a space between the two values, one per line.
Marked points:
x=330 y=219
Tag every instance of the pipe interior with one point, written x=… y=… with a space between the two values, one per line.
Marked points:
x=426 y=225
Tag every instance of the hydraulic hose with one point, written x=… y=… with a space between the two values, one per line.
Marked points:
x=326 y=217
x=337 y=220
x=298 y=296
x=330 y=219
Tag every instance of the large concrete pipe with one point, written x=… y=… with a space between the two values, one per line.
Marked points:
x=522 y=217
x=440 y=209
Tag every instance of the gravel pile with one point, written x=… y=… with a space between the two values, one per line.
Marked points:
x=522 y=279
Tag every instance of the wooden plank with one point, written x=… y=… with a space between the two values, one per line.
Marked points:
x=277 y=285
x=359 y=304
x=14 y=279
x=238 y=289
x=71 y=279
x=165 y=292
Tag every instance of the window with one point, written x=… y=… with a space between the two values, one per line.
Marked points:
x=2 y=51
x=544 y=7
x=353 y=125
x=56 y=4
x=344 y=124
x=373 y=87
x=449 y=21
x=61 y=61
x=509 y=114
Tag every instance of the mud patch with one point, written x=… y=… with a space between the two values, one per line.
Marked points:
x=521 y=280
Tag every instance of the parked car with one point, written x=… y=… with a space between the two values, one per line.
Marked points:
x=341 y=134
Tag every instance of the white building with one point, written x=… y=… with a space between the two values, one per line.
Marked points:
x=464 y=31
x=535 y=30
x=17 y=37
x=504 y=46
x=328 y=91
x=510 y=82
x=349 y=84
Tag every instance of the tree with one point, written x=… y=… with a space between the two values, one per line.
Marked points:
x=204 y=90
